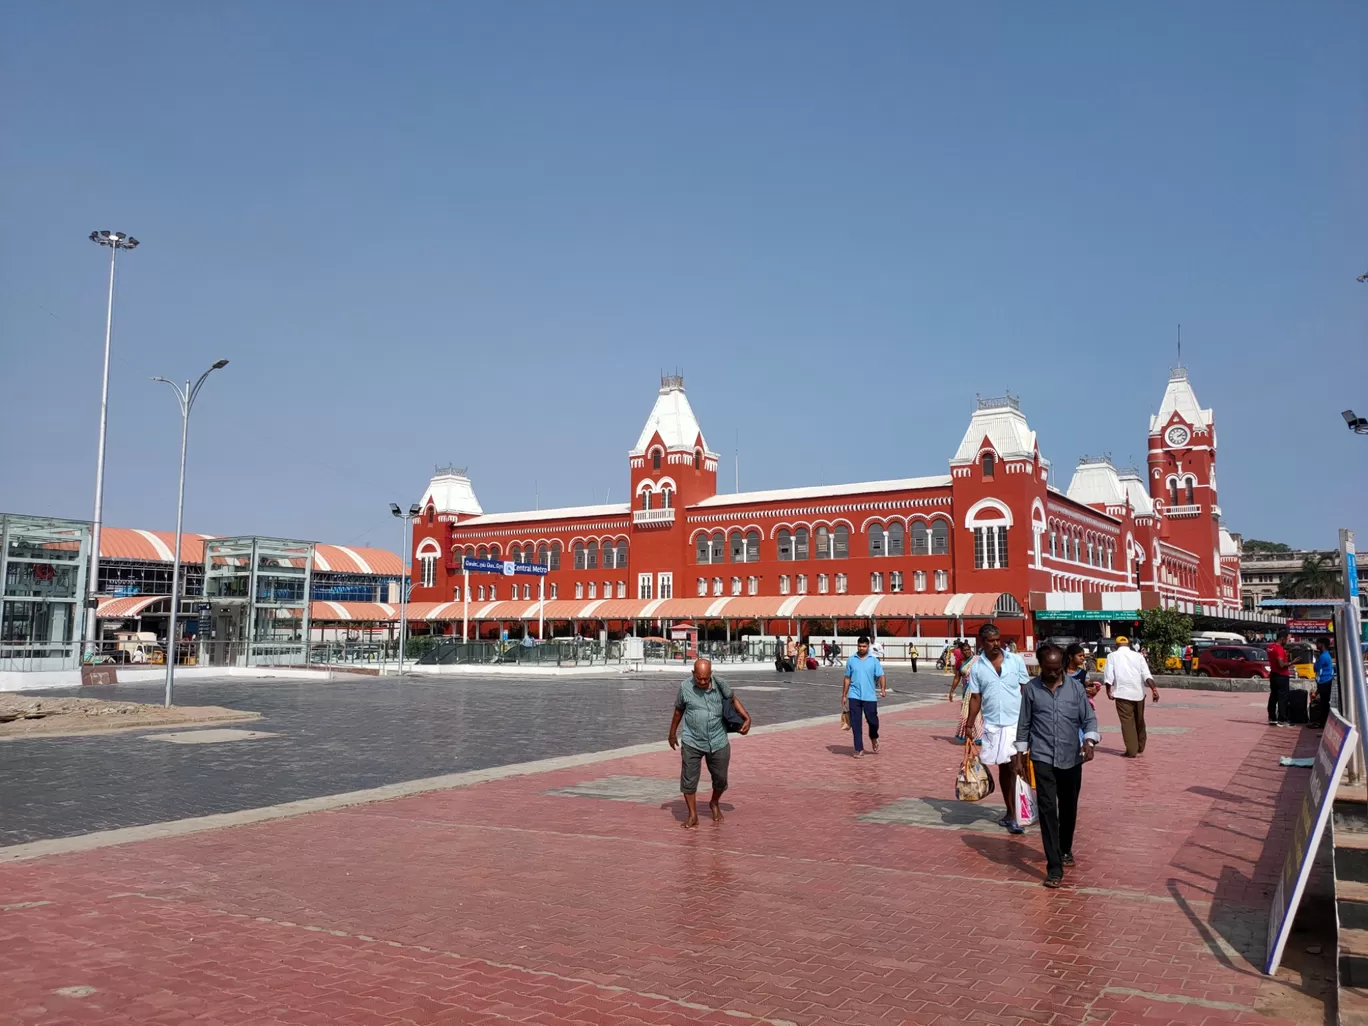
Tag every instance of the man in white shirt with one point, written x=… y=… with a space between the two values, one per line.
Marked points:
x=1126 y=675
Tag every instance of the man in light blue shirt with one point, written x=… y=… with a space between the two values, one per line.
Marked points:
x=861 y=690
x=1325 y=679
x=994 y=682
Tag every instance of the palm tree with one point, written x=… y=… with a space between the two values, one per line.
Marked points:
x=1316 y=579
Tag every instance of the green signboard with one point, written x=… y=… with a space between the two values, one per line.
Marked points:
x=1087 y=614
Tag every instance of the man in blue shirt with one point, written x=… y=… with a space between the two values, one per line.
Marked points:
x=861 y=690
x=994 y=681
x=1325 y=677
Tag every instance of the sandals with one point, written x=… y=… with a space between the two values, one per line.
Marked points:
x=1054 y=882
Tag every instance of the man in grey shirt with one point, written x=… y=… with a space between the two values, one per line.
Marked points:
x=699 y=706
x=1054 y=710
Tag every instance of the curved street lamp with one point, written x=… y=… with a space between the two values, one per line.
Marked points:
x=186 y=397
x=115 y=241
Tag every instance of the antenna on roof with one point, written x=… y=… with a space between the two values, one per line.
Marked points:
x=738 y=461
x=1180 y=345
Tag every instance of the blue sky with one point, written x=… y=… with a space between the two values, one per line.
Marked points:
x=474 y=234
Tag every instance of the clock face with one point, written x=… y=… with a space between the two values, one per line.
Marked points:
x=1177 y=435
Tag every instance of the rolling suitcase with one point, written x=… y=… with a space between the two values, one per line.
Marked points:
x=1297 y=701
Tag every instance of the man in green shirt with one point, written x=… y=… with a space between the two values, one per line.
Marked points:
x=699 y=706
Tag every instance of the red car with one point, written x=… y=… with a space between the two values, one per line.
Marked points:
x=1233 y=661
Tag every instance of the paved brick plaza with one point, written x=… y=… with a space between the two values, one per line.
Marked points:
x=836 y=891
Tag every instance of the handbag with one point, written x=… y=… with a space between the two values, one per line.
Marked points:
x=732 y=720
x=973 y=783
x=845 y=714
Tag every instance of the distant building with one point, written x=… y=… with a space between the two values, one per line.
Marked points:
x=1262 y=573
x=931 y=555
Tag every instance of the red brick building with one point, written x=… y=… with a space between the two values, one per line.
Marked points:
x=930 y=555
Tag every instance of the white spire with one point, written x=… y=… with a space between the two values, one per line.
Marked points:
x=1180 y=398
x=673 y=419
x=450 y=491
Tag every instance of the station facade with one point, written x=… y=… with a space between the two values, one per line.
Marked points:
x=929 y=556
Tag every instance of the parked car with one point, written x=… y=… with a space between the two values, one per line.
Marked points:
x=1234 y=661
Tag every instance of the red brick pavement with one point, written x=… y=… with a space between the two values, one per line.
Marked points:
x=501 y=903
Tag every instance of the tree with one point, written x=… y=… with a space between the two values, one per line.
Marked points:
x=1164 y=631
x=1315 y=580
x=1255 y=545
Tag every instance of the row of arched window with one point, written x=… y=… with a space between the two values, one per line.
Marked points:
x=1079 y=546
x=590 y=555
x=822 y=542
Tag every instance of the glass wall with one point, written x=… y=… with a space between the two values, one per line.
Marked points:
x=43 y=563
x=257 y=590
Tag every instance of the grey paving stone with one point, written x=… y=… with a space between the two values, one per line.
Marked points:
x=646 y=790
x=338 y=736
x=939 y=813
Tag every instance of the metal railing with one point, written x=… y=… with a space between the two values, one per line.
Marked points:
x=653 y=516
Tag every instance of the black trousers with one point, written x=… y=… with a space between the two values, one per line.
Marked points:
x=1277 y=698
x=1057 y=803
x=1322 y=703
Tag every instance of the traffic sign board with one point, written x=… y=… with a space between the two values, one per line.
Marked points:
x=503 y=566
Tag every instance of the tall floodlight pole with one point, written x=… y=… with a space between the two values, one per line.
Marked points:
x=405 y=581
x=186 y=398
x=115 y=241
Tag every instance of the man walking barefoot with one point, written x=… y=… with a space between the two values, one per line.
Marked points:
x=699 y=706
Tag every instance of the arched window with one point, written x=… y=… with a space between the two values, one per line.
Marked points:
x=622 y=553
x=840 y=542
x=896 y=539
x=702 y=587
x=737 y=543
x=666 y=498
x=698 y=459
x=431 y=514
x=555 y=555
x=482 y=553
x=702 y=553
x=784 y=545
x=429 y=570
x=719 y=548
x=1190 y=492
x=515 y=553
x=609 y=556
x=823 y=543
x=876 y=540
x=645 y=498
x=495 y=552
x=591 y=556
x=921 y=539
x=752 y=546
x=989 y=464
x=800 y=543
x=1173 y=491
x=579 y=555
x=989 y=525
x=940 y=538
x=543 y=555
x=655 y=460
x=717 y=586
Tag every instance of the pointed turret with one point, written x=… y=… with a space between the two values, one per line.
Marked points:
x=450 y=491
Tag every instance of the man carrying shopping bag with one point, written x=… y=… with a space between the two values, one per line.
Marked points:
x=1054 y=707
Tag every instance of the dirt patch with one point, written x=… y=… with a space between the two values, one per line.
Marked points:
x=28 y=717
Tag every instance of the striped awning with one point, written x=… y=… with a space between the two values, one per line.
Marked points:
x=130 y=605
x=737 y=607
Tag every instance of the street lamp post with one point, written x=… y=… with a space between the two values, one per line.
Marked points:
x=186 y=398
x=115 y=241
x=406 y=580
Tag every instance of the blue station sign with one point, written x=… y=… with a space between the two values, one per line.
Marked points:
x=506 y=567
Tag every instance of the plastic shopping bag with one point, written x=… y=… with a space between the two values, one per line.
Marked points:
x=1024 y=809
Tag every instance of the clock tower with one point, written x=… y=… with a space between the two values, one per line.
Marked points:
x=1182 y=481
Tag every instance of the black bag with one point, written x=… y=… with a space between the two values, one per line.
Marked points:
x=1297 y=701
x=731 y=719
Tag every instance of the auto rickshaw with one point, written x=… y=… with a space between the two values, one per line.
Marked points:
x=1104 y=648
x=1302 y=657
